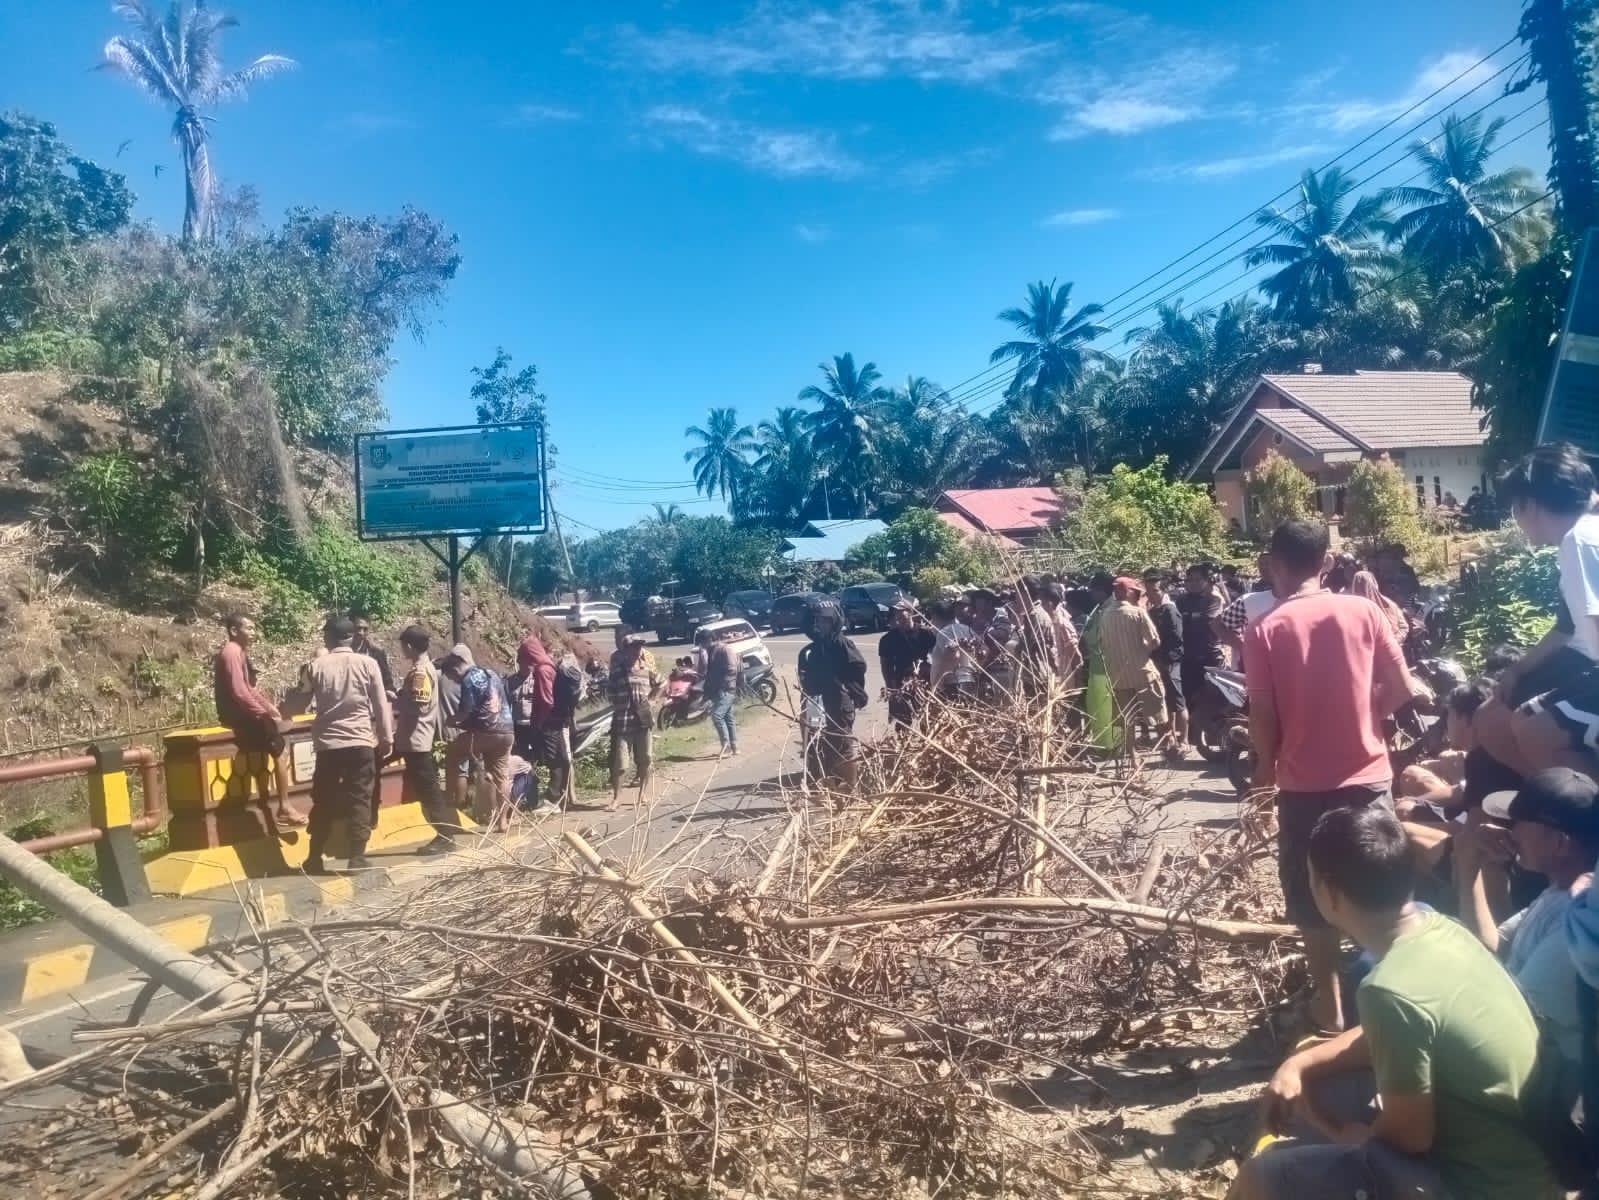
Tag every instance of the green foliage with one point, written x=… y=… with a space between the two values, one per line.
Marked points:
x=1380 y=505
x=1513 y=373
x=506 y=397
x=1516 y=593
x=704 y=554
x=17 y=908
x=288 y=613
x=339 y=571
x=828 y=578
x=52 y=205
x=1133 y=519
x=1278 y=491
x=126 y=508
x=859 y=575
x=916 y=538
x=930 y=582
x=47 y=349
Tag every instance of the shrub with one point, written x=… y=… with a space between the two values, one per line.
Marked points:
x=339 y=571
x=125 y=507
x=1380 y=506
x=287 y=614
x=828 y=578
x=1512 y=601
x=1131 y=519
x=1278 y=491
x=47 y=349
x=929 y=583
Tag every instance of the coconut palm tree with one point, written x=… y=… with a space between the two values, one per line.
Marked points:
x=721 y=460
x=1329 y=247
x=1462 y=213
x=1054 y=349
x=178 y=60
x=667 y=514
x=785 y=475
x=929 y=444
x=845 y=427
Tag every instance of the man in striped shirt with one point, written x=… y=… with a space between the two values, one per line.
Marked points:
x=1127 y=638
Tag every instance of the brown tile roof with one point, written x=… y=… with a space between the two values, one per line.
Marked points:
x=1308 y=430
x=1390 y=410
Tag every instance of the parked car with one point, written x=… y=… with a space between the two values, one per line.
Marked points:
x=754 y=606
x=680 y=619
x=867 y=604
x=793 y=610
x=555 y=613
x=594 y=615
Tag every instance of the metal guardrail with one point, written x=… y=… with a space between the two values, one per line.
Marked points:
x=112 y=825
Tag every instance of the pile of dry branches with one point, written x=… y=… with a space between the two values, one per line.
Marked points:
x=858 y=1002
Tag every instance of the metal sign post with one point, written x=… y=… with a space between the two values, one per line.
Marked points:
x=471 y=481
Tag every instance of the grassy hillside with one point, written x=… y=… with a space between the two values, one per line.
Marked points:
x=95 y=646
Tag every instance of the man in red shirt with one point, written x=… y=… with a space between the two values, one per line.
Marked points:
x=253 y=719
x=1324 y=671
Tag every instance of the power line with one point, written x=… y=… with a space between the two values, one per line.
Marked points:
x=955 y=392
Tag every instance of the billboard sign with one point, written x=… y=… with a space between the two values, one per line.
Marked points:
x=1571 y=408
x=461 y=480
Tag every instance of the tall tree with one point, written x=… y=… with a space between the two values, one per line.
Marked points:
x=505 y=396
x=844 y=429
x=721 y=460
x=1462 y=213
x=1055 y=344
x=1559 y=36
x=666 y=514
x=178 y=60
x=928 y=444
x=785 y=474
x=1328 y=247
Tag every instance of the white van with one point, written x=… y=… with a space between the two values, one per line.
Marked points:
x=746 y=642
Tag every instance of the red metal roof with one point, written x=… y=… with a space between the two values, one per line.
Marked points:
x=1008 y=510
x=966 y=529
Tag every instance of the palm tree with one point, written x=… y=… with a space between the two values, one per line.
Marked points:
x=929 y=444
x=667 y=514
x=179 y=61
x=1055 y=347
x=1328 y=247
x=722 y=458
x=845 y=426
x=1462 y=213
x=785 y=475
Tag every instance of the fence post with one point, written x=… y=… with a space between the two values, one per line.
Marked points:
x=116 y=854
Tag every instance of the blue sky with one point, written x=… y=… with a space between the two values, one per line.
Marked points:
x=670 y=207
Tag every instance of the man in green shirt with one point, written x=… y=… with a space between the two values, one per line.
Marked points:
x=1445 y=1039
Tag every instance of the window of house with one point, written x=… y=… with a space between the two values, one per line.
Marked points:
x=1421 y=491
x=1338 y=502
x=1437 y=489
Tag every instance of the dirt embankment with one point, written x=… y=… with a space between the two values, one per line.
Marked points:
x=83 y=656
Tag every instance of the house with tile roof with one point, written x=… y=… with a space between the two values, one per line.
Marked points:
x=828 y=541
x=1326 y=423
x=1012 y=517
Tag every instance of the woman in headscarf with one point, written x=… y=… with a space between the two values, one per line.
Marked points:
x=1365 y=584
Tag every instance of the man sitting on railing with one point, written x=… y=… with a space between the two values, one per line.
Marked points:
x=253 y=719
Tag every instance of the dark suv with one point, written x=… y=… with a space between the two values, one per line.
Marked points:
x=793 y=611
x=867 y=605
x=754 y=606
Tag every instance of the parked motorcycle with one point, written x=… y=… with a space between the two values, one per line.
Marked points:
x=758 y=684
x=1419 y=728
x=1228 y=727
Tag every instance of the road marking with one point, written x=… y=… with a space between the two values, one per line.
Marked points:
x=186 y=933
x=76 y=1006
x=58 y=971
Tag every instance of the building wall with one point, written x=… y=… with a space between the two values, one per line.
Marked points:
x=1455 y=469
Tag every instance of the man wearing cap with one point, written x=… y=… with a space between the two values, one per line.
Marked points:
x=1553 y=821
x=353 y=731
x=1127 y=638
x=484 y=719
x=903 y=652
x=632 y=685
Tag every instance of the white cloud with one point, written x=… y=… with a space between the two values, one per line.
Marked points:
x=775 y=151
x=1081 y=216
x=1239 y=164
x=860 y=39
x=539 y=114
x=813 y=235
x=1166 y=91
x=1441 y=73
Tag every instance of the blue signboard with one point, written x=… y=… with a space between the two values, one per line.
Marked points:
x=1571 y=408
x=466 y=480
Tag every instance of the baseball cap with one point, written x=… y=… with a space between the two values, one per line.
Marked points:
x=1559 y=797
x=1128 y=584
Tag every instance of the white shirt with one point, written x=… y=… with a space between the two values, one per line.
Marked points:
x=1579 y=582
x=949 y=658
